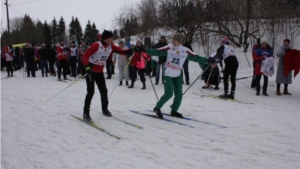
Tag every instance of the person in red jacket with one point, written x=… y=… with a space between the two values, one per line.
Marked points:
x=62 y=59
x=9 y=61
x=94 y=60
x=255 y=46
x=261 y=53
x=135 y=60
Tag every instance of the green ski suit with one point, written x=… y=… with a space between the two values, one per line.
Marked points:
x=174 y=84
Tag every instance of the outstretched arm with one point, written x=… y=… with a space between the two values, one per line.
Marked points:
x=202 y=60
x=161 y=52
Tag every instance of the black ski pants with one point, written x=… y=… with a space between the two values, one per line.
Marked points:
x=51 y=65
x=99 y=79
x=9 y=68
x=265 y=86
x=62 y=65
x=133 y=74
x=110 y=68
x=231 y=66
x=30 y=68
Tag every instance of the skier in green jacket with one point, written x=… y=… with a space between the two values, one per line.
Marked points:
x=176 y=56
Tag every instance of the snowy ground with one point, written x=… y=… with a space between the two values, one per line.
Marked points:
x=42 y=135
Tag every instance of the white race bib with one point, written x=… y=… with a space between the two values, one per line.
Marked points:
x=175 y=60
x=228 y=51
x=100 y=57
x=73 y=51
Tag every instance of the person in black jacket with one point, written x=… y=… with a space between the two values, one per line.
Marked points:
x=51 y=54
x=29 y=58
x=186 y=65
x=43 y=60
x=162 y=60
x=227 y=53
x=17 y=63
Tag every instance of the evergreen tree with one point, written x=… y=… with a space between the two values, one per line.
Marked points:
x=61 y=31
x=47 y=33
x=78 y=30
x=4 y=38
x=88 y=32
x=28 y=30
x=72 y=28
x=54 y=29
x=95 y=32
x=40 y=38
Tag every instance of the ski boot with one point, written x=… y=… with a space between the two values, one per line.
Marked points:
x=132 y=85
x=176 y=114
x=106 y=113
x=144 y=86
x=231 y=96
x=86 y=114
x=158 y=112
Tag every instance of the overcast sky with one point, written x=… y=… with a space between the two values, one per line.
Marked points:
x=99 y=11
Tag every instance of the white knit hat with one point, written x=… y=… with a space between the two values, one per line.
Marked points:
x=263 y=40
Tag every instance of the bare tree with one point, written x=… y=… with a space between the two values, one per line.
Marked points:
x=180 y=16
x=232 y=19
x=147 y=16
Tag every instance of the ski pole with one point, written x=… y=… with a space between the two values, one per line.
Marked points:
x=247 y=59
x=67 y=87
x=195 y=80
x=209 y=77
x=153 y=87
x=122 y=75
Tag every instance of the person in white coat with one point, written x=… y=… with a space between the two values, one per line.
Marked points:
x=122 y=62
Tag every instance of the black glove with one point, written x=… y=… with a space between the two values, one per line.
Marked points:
x=287 y=50
x=128 y=53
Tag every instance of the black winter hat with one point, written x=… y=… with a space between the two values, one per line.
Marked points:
x=106 y=34
x=258 y=41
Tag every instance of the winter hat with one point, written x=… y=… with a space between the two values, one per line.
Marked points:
x=73 y=42
x=163 y=37
x=121 y=42
x=225 y=40
x=263 y=40
x=287 y=40
x=258 y=41
x=106 y=34
x=179 y=37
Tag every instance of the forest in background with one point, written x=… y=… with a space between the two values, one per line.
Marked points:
x=201 y=21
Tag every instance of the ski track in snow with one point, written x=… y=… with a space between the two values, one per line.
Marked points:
x=42 y=135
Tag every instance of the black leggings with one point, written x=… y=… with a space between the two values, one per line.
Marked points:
x=231 y=66
x=9 y=68
x=90 y=83
x=134 y=71
x=62 y=65
x=265 y=86
x=285 y=86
